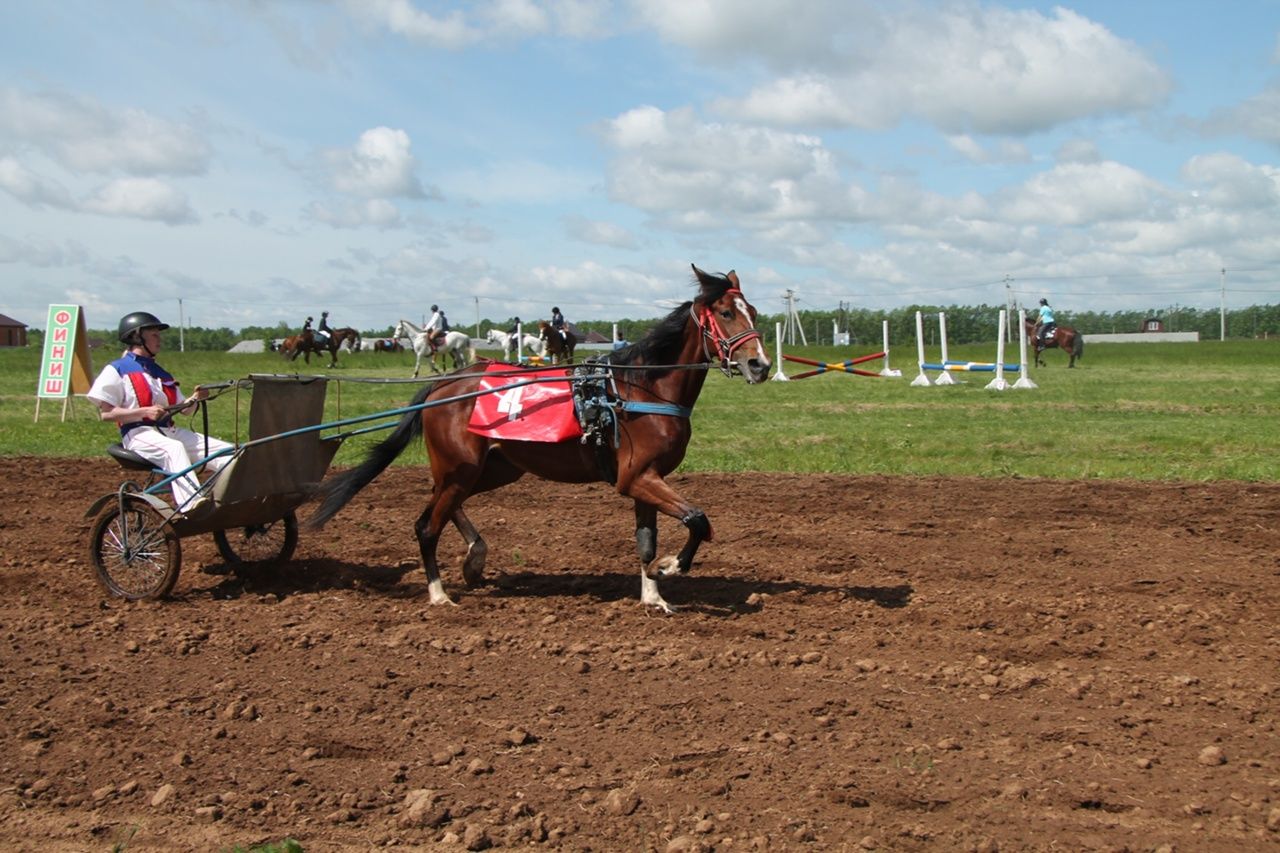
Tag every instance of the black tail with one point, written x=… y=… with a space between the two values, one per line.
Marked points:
x=1078 y=348
x=338 y=491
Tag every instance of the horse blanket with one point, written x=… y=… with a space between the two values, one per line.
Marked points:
x=536 y=412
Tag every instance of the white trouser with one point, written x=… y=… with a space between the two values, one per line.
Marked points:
x=173 y=448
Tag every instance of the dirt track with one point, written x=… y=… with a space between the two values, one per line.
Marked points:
x=861 y=663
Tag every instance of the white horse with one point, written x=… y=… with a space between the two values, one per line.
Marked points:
x=456 y=344
x=505 y=340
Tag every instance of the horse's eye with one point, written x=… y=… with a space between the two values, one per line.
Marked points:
x=726 y=314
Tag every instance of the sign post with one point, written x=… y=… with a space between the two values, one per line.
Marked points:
x=64 y=366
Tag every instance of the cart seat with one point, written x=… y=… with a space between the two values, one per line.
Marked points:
x=129 y=459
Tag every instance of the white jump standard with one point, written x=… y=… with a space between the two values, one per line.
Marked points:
x=947 y=366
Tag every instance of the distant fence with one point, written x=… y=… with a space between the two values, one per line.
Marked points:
x=1143 y=338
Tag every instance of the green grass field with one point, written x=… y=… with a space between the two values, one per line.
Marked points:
x=1202 y=411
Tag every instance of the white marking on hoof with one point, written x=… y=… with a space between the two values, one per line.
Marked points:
x=437 y=595
x=649 y=595
x=668 y=566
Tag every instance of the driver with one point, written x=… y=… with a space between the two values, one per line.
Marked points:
x=135 y=392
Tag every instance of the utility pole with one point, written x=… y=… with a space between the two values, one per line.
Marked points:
x=792 y=324
x=1222 y=310
x=182 y=341
x=477 y=299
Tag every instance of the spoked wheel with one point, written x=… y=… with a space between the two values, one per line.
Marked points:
x=259 y=544
x=135 y=553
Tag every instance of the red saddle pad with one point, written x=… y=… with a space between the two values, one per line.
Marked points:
x=541 y=411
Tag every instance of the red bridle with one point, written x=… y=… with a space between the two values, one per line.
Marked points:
x=705 y=317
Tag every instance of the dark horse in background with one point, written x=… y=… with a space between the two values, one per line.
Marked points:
x=558 y=349
x=309 y=342
x=1064 y=338
x=658 y=381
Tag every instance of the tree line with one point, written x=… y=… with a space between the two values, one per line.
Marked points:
x=965 y=324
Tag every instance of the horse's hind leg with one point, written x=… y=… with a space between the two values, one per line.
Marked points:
x=477 y=551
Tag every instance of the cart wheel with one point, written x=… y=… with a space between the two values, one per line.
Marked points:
x=136 y=554
x=259 y=543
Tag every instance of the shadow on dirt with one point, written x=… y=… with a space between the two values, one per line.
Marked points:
x=712 y=595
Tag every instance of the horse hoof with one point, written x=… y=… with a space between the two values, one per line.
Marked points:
x=668 y=566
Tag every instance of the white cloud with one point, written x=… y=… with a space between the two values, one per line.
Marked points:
x=612 y=284
x=1257 y=117
x=41 y=254
x=600 y=233
x=706 y=174
x=31 y=189
x=517 y=17
x=1228 y=181
x=84 y=136
x=141 y=198
x=380 y=165
x=1078 y=151
x=1003 y=151
x=519 y=182
x=401 y=17
x=372 y=213
x=964 y=68
x=1078 y=193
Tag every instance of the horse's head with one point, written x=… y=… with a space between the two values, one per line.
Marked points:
x=492 y=336
x=728 y=324
x=543 y=329
x=399 y=330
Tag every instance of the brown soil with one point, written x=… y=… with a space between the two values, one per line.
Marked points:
x=860 y=663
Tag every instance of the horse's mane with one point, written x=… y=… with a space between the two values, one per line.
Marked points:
x=663 y=342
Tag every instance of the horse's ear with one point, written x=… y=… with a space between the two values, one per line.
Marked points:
x=733 y=277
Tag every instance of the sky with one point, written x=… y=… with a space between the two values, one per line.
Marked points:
x=247 y=162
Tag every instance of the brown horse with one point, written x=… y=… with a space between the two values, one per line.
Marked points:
x=387 y=345
x=1064 y=338
x=308 y=342
x=559 y=349
x=658 y=380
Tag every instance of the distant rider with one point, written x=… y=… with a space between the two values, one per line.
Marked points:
x=323 y=328
x=437 y=327
x=1045 y=323
x=558 y=323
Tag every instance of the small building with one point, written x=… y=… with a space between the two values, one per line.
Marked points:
x=594 y=337
x=1152 y=324
x=12 y=333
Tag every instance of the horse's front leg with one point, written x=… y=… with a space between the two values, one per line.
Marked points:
x=646 y=532
x=651 y=493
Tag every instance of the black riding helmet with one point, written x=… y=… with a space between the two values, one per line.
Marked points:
x=131 y=324
x=1044 y=301
x=435 y=307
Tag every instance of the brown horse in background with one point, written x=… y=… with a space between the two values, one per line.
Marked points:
x=308 y=342
x=658 y=380
x=1064 y=338
x=558 y=349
